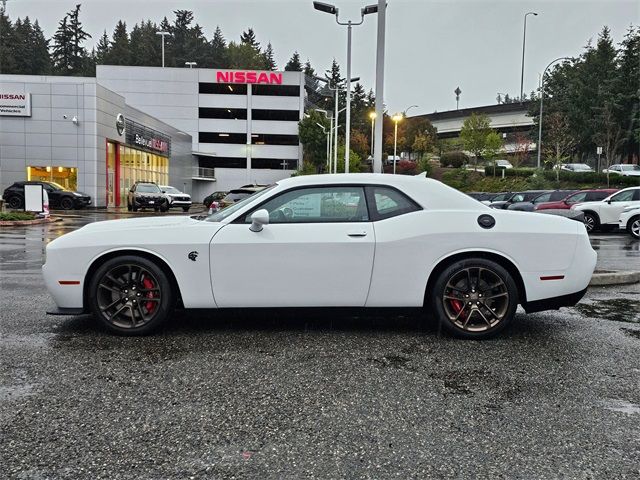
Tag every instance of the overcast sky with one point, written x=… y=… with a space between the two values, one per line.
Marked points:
x=432 y=46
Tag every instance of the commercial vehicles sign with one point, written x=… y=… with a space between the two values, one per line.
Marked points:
x=240 y=76
x=15 y=104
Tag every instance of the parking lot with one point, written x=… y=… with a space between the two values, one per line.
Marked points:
x=319 y=394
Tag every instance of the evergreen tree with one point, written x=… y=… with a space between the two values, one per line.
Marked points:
x=39 y=46
x=218 y=54
x=7 y=45
x=69 y=55
x=294 y=65
x=269 y=60
x=102 y=49
x=33 y=47
x=249 y=38
x=119 y=52
x=244 y=56
x=359 y=117
x=144 y=44
x=310 y=72
x=628 y=93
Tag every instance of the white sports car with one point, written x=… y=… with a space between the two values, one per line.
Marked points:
x=354 y=240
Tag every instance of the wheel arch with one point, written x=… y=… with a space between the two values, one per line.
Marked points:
x=631 y=220
x=105 y=256
x=592 y=212
x=501 y=260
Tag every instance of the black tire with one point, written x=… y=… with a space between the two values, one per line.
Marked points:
x=156 y=209
x=164 y=207
x=633 y=227
x=134 y=207
x=591 y=222
x=66 y=203
x=15 y=202
x=185 y=209
x=111 y=290
x=474 y=298
x=128 y=207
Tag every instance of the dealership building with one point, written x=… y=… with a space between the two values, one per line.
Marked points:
x=200 y=130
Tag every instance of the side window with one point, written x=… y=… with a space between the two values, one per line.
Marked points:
x=388 y=202
x=636 y=194
x=543 y=198
x=317 y=205
x=578 y=197
x=623 y=196
x=517 y=198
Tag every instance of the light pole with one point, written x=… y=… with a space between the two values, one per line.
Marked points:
x=327 y=133
x=524 y=38
x=396 y=118
x=163 y=34
x=191 y=64
x=457 y=91
x=377 y=153
x=541 y=102
x=372 y=116
x=333 y=10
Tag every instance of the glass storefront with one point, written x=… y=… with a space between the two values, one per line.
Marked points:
x=64 y=176
x=127 y=165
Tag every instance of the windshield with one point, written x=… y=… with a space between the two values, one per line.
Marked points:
x=226 y=212
x=56 y=186
x=630 y=168
x=168 y=189
x=147 y=188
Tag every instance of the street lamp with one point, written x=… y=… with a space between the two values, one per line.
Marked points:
x=541 y=102
x=524 y=37
x=372 y=116
x=333 y=10
x=404 y=114
x=327 y=133
x=377 y=153
x=191 y=64
x=163 y=34
x=396 y=118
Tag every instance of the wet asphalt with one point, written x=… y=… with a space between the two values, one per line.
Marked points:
x=315 y=394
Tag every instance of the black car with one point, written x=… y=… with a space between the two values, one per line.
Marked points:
x=146 y=195
x=529 y=206
x=214 y=197
x=59 y=197
x=517 y=197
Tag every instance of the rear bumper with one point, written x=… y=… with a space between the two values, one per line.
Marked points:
x=554 y=303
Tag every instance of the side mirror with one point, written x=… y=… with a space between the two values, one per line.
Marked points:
x=259 y=219
x=609 y=201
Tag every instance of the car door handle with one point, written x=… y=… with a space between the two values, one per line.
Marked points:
x=357 y=234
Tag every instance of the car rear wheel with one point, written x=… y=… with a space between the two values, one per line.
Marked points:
x=15 y=202
x=66 y=203
x=131 y=295
x=634 y=227
x=474 y=298
x=591 y=222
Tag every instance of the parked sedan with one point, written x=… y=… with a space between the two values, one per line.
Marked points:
x=59 y=197
x=543 y=197
x=516 y=197
x=630 y=220
x=576 y=167
x=577 y=197
x=626 y=170
x=606 y=213
x=177 y=199
x=347 y=240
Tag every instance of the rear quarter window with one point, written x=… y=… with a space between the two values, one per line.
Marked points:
x=386 y=202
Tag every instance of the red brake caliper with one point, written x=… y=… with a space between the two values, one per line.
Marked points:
x=457 y=306
x=148 y=283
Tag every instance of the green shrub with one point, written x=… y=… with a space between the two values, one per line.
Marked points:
x=16 y=216
x=594 y=178
x=424 y=165
x=455 y=159
x=509 y=172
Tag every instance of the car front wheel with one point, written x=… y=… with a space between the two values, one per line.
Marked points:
x=131 y=295
x=15 y=202
x=474 y=298
x=66 y=203
x=634 y=227
x=591 y=222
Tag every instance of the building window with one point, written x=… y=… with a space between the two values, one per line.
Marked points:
x=274 y=163
x=274 y=139
x=276 y=90
x=215 y=137
x=223 y=162
x=66 y=177
x=282 y=115
x=225 y=113
x=223 y=88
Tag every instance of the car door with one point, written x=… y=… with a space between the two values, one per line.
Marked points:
x=611 y=209
x=53 y=194
x=317 y=250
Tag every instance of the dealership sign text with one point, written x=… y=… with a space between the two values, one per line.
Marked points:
x=15 y=104
x=249 y=77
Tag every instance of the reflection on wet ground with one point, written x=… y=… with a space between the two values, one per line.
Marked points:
x=616 y=251
x=617 y=309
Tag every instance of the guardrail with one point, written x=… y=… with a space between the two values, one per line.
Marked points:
x=204 y=173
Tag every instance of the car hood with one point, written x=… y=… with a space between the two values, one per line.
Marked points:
x=583 y=205
x=137 y=223
x=178 y=195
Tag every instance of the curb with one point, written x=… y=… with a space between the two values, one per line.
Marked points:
x=607 y=277
x=23 y=223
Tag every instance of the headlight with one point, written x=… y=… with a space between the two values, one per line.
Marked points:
x=77 y=194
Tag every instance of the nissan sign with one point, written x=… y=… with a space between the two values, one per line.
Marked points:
x=15 y=104
x=238 y=76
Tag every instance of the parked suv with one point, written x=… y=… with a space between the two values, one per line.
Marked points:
x=605 y=214
x=146 y=195
x=177 y=199
x=59 y=197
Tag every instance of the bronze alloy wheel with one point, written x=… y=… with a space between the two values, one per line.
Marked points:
x=475 y=299
x=130 y=295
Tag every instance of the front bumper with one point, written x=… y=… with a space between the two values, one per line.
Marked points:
x=82 y=202
x=149 y=202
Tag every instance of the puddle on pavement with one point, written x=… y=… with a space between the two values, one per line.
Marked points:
x=622 y=406
x=616 y=309
x=631 y=332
